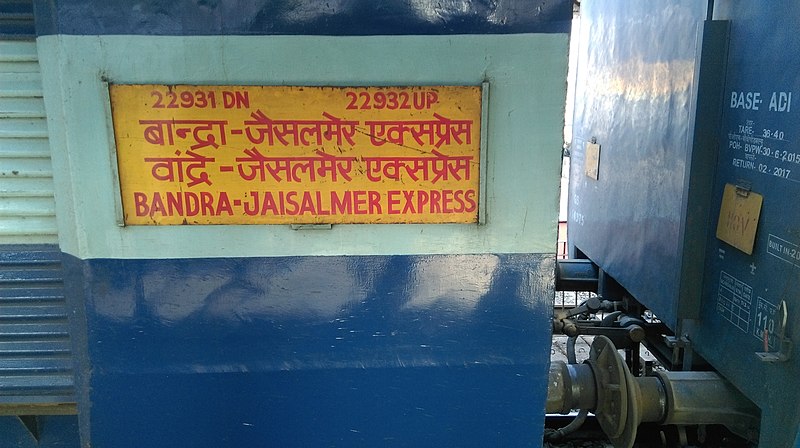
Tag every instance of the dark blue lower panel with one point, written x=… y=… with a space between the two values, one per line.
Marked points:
x=425 y=406
x=51 y=432
x=447 y=350
x=301 y=17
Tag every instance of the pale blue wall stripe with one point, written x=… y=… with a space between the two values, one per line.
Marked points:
x=526 y=111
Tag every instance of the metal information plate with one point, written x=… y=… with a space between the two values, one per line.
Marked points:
x=738 y=218
x=297 y=155
x=592 y=162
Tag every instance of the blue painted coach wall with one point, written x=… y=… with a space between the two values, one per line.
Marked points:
x=54 y=431
x=362 y=335
x=635 y=82
x=447 y=350
x=742 y=292
x=306 y=17
x=639 y=66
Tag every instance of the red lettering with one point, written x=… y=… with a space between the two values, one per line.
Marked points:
x=140 y=202
x=156 y=206
x=422 y=200
x=174 y=203
x=243 y=99
x=292 y=202
x=392 y=202
x=191 y=204
x=251 y=209
x=458 y=196
x=188 y=99
x=390 y=99
x=432 y=98
x=207 y=202
x=436 y=197
x=228 y=99
x=353 y=97
x=404 y=100
x=409 y=197
x=187 y=203
x=307 y=205
x=375 y=203
x=269 y=204
x=320 y=209
x=281 y=203
x=360 y=202
x=223 y=204
x=235 y=100
x=447 y=201
x=469 y=197
x=341 y=206
x=418 y=99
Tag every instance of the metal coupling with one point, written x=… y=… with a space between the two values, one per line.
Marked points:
x=620 y=401
x=571 y=386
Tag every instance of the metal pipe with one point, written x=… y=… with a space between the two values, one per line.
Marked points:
x=571 y=386
x=698 y=398
x=576 y=275
x=572 y=357
x=571 y=427
x=669 y=398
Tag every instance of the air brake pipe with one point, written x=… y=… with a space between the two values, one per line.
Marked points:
x=576 y=275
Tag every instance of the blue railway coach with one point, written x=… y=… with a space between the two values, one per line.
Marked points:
x=692 y=206
x=364 y=334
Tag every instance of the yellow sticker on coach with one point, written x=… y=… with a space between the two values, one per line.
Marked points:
x=738 y=218
x=297 y=155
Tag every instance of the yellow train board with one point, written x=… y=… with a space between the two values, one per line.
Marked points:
x=297 y=155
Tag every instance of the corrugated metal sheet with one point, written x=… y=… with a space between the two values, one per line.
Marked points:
x=16 y=19
x=36 y=375
x=27 y=207
x=36 y=370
